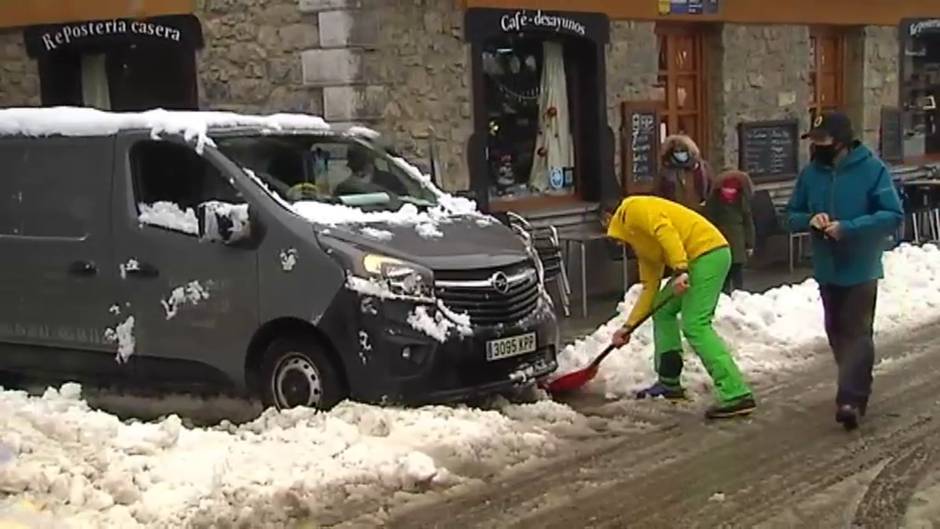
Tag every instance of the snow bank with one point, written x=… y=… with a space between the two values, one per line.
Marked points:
x=91 y=469
x=768 y=333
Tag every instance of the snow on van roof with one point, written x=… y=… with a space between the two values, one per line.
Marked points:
x=192 y=125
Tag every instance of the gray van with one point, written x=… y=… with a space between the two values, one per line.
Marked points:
x=280 y=259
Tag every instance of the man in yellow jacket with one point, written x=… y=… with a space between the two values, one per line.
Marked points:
x=664 y=233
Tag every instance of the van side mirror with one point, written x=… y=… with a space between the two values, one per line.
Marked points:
x=222 y=222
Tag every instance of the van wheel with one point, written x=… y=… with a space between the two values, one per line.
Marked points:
x=299 y=373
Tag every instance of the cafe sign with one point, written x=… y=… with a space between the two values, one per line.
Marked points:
x=523 y=20
x=925 y=26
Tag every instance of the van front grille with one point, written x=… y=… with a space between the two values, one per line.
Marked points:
x=502 y=297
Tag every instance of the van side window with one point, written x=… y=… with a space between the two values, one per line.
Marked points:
x=171 y=181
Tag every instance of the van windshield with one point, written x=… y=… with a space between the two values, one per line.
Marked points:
x=337 y=170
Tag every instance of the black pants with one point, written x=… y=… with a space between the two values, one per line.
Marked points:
x=850 y=315
x=735 y=279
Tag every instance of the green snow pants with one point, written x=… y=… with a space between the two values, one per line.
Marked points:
x=706 y=278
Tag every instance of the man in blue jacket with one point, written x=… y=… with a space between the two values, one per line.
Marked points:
x=847 y=200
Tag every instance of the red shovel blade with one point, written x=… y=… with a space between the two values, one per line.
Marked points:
x=572 y=381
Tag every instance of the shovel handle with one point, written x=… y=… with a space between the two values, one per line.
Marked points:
x=610 y=348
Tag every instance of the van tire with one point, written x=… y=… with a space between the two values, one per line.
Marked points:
x=299 y=372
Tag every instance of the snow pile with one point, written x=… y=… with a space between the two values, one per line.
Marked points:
x=123 y=336
x=132 y=265
x=191 y=293
x=93 y=470
x=379 y=235
x=237 y=215
x=193 y=126
x=767 y=333
x=364 y=132
x=288 y=259
x=169 y=215
x=441 y=324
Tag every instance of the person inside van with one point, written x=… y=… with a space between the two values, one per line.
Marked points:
x=365 y=177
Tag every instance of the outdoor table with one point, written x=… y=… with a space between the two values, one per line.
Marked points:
x=581 y=238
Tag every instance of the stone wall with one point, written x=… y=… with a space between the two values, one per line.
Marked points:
x=632 y=69
x=427 y=79
x=764 y=75
x=879 y=80
x=19 y=76
x=402 y=68
x=251 y=61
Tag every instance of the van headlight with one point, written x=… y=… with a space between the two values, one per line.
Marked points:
x=403 y=278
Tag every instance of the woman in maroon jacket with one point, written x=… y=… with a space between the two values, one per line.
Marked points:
x=684 y=176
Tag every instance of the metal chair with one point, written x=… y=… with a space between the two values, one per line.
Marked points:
x=548 y=247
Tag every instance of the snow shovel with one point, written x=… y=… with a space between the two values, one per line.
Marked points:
x=577 y=379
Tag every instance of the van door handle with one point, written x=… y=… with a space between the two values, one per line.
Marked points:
x=143 y=270
x=83 y=268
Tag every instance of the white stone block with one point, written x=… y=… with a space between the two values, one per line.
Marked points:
x=313 y=6
x=348 y=28
x=335 y=28
x=352 y=103
x=331 y=67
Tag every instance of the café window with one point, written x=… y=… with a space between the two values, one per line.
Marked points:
x=531 y=122
x=920 y=86
x=681 y=82
x=119 y=65
x=826 y=70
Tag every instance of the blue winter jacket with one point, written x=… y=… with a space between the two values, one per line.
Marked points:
x=859 y=194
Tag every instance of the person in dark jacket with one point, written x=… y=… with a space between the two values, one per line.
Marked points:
x=848 y=201
x=684 y=176
x=728 y=207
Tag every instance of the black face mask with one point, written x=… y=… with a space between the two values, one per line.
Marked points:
x=824 y=154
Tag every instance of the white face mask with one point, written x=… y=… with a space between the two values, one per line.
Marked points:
x=681 y=156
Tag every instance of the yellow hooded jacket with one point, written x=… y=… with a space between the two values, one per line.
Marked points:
x=661 y=232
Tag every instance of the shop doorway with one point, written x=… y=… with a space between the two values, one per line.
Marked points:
x=920 y=87
x=121 y=78
x=119 y=65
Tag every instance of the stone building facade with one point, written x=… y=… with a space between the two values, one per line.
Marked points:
x=405 y=68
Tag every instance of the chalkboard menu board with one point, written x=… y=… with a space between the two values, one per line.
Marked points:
x=639 y=146
x=769 y=150
x=892 y=135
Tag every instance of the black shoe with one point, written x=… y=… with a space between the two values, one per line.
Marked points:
x=847 y=415
x=739 y=408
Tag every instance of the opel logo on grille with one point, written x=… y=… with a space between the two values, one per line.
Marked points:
x=500 y=282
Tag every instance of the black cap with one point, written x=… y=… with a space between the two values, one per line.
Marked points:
x=836 y=125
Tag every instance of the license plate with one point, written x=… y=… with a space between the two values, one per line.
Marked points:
x=509 y=347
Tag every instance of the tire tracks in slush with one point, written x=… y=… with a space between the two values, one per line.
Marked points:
x=692 y=474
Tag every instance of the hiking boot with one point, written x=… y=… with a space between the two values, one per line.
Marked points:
x=738 y=408
x=847 y=415
x=661 y=390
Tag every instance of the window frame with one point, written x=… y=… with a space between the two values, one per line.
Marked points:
x=670 y=113
x=135 y=181
x=838 y=39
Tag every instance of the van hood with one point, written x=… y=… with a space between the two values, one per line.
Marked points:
x=457 y=243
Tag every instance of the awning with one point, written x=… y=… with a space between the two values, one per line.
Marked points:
x=20 y=13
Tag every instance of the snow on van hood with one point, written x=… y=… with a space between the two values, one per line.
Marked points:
x=460 y=242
